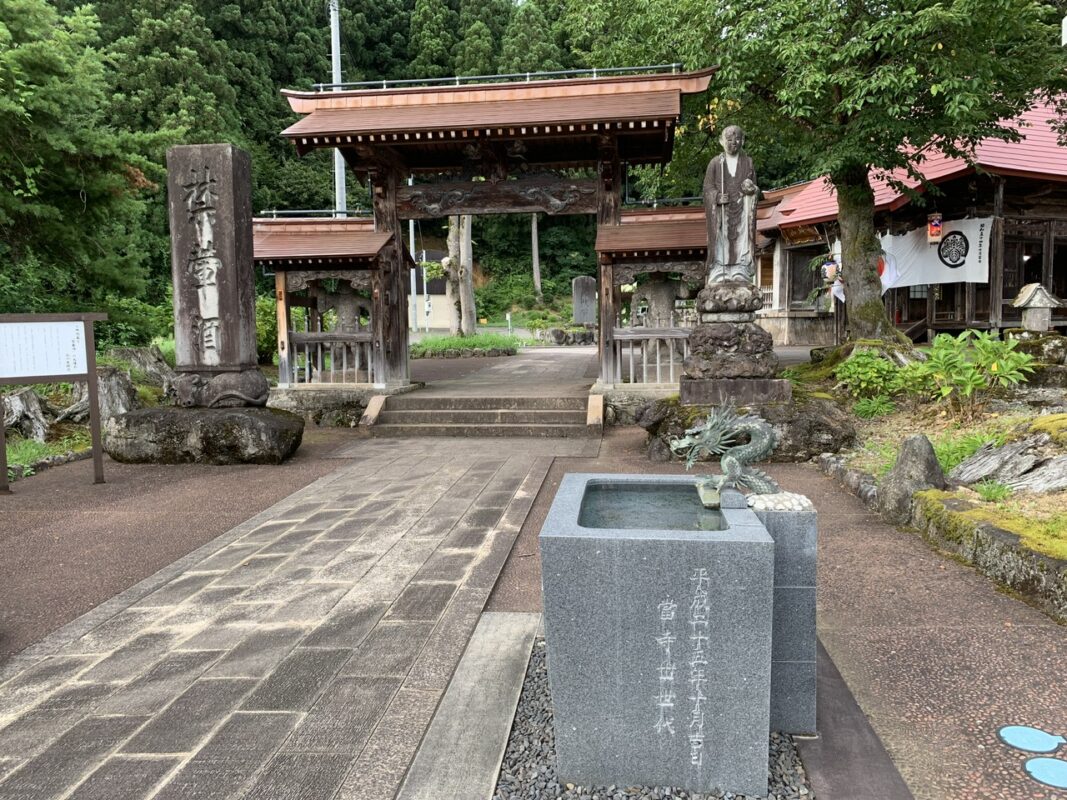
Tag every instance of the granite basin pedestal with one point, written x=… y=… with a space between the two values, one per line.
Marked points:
x=659 y=638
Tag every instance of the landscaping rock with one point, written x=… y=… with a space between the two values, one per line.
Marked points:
x=805 y=428
x=916 y=469
x=1048 y=349
x=1051 y=476
x=1050 y=375
x=115 y=393
x=203 y=436
x=1002 y=464
x=150 y=361
x=25 y=412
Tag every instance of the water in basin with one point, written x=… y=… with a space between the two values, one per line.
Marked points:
x=647 y=506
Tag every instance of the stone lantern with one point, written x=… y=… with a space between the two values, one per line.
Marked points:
x=1037 y=304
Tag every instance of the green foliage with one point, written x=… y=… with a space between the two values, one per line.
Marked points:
x=962 y=370
x=71 y=182
x=529 y=42
x=867 y=374
x=478 y=342
x=166 y=348
x=132 y=322
x=266 y=328
x=474 y=56
x=991 y=491
x=375 y=39
x=871 y=407
x=433 y=37
x=953 y=448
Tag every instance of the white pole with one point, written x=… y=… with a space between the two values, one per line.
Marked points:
x=340 y=202
x=411 y=249
x=425 y=297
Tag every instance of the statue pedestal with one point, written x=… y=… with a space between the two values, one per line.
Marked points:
x=735 y=391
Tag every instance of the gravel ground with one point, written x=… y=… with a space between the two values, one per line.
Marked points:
x=529 y=768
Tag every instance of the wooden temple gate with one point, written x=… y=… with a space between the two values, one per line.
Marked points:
x=489 y=148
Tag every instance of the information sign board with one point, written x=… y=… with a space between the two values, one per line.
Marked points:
x=44 y=348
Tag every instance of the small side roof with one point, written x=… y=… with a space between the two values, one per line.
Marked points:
x=306 y=243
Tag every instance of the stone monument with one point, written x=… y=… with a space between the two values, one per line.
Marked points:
x=210 y=196
x=218 y=386
x=583 y=297
x=731 y=357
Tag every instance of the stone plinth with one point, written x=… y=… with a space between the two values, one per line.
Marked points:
x=203 y=436
x=639 y=622
x=209 y=191
x=738 y=391
x=793 y=680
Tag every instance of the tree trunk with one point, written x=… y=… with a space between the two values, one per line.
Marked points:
x=860 y=251
x=468 y=313
x=24 y=411
x=536 y=259
x=452 y=266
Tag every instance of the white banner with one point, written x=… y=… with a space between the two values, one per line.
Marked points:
x=962 y=256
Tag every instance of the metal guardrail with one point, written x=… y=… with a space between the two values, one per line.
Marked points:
x=275 y=213
x=511 y=77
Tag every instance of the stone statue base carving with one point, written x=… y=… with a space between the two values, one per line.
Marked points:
x=221 y=389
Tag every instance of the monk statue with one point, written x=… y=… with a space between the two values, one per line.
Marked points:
x=730 y=193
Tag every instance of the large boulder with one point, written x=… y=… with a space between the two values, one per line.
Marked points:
x=916 y=469
x=203 y=436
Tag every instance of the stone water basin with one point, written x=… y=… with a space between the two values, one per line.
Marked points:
x=658 y=623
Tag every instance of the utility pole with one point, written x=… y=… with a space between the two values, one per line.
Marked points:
x=340 y=201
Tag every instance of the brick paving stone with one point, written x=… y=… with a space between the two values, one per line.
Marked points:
x=267 y=532
x=310 y=604
x=389 y=649
x=348 y=566
x=67 y=760
x=437 y=661
x=251 y=571
x=446 y=566
x=185 y=722
x=290 y=542
x=8 y=765
x=278 y=589
x=343 y=717
x=380 y=768
x=34 y=731
x=115 y=631
x=300 y=776
x=257 y=655
x=132 y=658
x=464 y=537
x=122 y=778
x=346 y=627
x=422 y=601
x=37 y=682
x=167 y=679
x=176 y=591
x=297 y=681
x=227 y=557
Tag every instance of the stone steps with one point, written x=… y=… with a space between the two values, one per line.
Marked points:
x=538 y=417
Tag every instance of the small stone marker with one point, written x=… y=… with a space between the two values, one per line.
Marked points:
x=209 y=188
x=583 y=296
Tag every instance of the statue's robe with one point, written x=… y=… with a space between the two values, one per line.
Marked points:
x=731 y=226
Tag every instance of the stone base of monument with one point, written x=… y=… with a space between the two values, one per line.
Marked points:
x=658 y=623
x=738 y=391
x=203 y=436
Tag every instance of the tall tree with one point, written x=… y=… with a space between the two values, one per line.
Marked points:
x=70 y=182
x=857 y=87
x=433 y=25
x=529 y=42
x=474 y=56
x=494 y=14
x=375 y=39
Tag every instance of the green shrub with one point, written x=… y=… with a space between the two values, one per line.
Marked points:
x=992 y=491
x=867 y=374
x=962 y=370
x=481 y=341
x=871 y=407
x=952 y=449
x=167 y=348
x=266 y=328
x=133 y=323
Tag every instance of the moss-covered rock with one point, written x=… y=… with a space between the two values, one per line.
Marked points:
x=1055 y=425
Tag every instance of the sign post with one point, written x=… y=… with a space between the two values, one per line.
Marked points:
x=48 y=348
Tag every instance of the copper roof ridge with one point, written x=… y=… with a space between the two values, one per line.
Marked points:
x=507 y=85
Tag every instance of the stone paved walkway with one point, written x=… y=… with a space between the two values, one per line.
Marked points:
x=300 y=655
